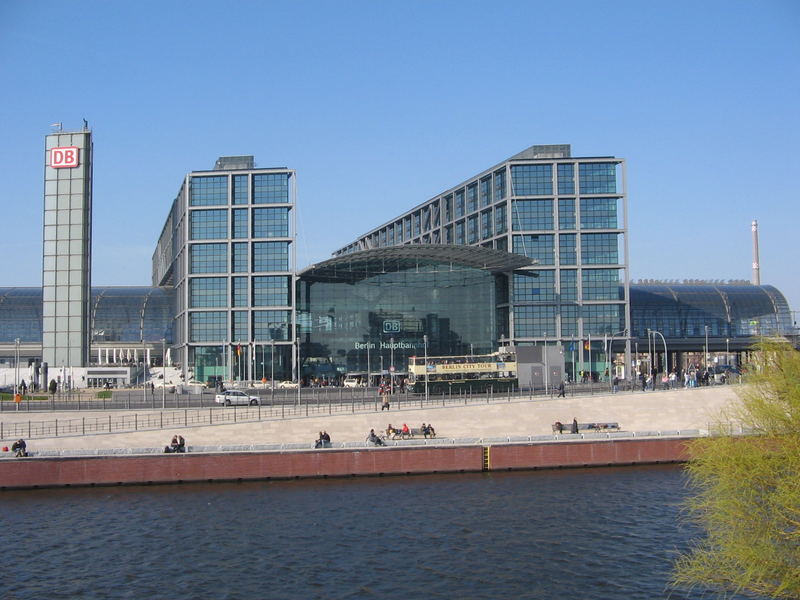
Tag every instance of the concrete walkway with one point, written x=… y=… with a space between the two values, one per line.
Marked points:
x=699 y=408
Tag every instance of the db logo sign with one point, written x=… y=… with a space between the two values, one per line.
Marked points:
x=66 y=157
x=391 y=327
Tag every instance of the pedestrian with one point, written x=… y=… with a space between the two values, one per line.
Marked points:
x=561 y=389
x=615 y=385
x=574 y=428
x=20 y=448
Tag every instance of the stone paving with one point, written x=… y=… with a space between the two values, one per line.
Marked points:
x=683 y=409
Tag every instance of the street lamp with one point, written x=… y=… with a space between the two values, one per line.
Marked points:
x=163 y=373
x=391 y=365
x=666 y=359
x=546 y=368
x=425 y=340
x=705 y=355
x=272 y=365
x=368 y=374
x=297 y=340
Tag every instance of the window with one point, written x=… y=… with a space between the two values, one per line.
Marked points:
x=534 y=321
x=598 y=213
x=239 y=223
x=271 y=325
x=566 y=213
x=486 y=191
x=448 y=208
x=486 y=224
x=239 y=326
x=569 y=285
x=239 y=292
x=270 y=256
x=566 y=179
x=532 y=180
x=208 y=258
x=599 y=249
x=567 y=253
x=270 y=222
x=499 y=185
x=532 y=215
x=460 y=239
x=208 y=326
x=208 y=224
x=270 y=188
x=271 y=291
x=598 y=178
x=601 y=284
x=539 y=247
x=472 y=198
x=208 y=292
x=239 y=257
x=569 y=321
x=472 y=229
x=500 y=219
x=460 y=203
x=603 y=319
x=208 y=191
x=534 y=286
x=240 y=189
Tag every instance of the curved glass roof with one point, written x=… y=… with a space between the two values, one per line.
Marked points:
x=361 y=265
x=730 y=310
x=118 y=314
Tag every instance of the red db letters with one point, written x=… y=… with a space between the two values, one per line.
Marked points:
x=65 y=157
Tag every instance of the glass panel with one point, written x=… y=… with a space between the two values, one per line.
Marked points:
x=601 y=284
x=270 y=256
x=208 y=292
x=597 y=178
x=567 y=252
x=534 y=286
x=271 y=291
x=532 y=215
x=598 y=213
x=208 y=224
x=539 y=247
x=566 y=179
x=534 y=321
x=208 y=258
x=208 y=191
x=532 y=180
x=599 y=249
x=208 y=326
x=566 y=213
x=239 y=223
x=270 y=222
x=270 y=188
x=240 y=189
x=569 y=285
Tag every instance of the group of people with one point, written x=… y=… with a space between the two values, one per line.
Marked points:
x=178 y=444
x=323 y=441
x=393 y=432
x=20 y=448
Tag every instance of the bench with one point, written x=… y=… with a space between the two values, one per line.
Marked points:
x=413 y=432
x=584 y=427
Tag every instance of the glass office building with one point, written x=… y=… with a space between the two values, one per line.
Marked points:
x=228 y=249
x=568 y=215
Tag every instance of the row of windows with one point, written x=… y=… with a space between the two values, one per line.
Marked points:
x=212 y=292
x=212 y=190
x=537 y=179
x=264 y=325
x=540 y=286
x=213 y=258
x=537 y=215
x=596 y=248
x=213 y=224
x=598 y=320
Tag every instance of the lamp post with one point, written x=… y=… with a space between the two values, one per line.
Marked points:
x=705 y=354
x=391 y=365
x=272 y=365
x=727 y=351
x=666 y=359
x=297 y=340
x=368 y=374
x=546 y=368
x=425 y=340
x=163 y=373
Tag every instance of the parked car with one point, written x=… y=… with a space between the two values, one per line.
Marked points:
x=287 y=385
x=352 y=382
x=230 y=397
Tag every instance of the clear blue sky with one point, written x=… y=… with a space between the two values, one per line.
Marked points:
x=381 y=105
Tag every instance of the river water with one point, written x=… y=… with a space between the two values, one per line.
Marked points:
x=591 y=534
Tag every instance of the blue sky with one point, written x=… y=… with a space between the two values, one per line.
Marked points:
x=381 y=105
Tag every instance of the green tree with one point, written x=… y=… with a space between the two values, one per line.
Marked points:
x=747 y=488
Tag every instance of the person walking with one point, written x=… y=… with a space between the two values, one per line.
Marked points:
x=561 y=389
x=574 y=428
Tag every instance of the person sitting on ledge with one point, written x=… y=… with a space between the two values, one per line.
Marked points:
x=406 y=431
x=559 y=426
x=391 y=432
x=19 y=448
x=374 y=438
x=431 y=431
x=318 y=443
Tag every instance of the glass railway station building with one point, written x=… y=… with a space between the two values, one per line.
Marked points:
x=530 y=252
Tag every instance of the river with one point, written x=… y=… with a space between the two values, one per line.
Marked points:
x=586 y=533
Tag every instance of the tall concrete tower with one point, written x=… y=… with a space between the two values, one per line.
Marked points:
x=756 y=278
x=66 y=265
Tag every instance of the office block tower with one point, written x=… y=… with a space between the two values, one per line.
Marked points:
x=569 y=215
x=66 y=267
x=228 y=248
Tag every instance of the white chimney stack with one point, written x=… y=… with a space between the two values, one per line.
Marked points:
x=756 y=279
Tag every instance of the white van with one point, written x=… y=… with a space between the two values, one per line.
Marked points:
x=351 y=382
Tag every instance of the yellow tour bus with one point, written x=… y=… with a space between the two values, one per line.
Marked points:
x=476 y=373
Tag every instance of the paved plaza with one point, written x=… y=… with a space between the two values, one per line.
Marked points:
x=683 y=409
